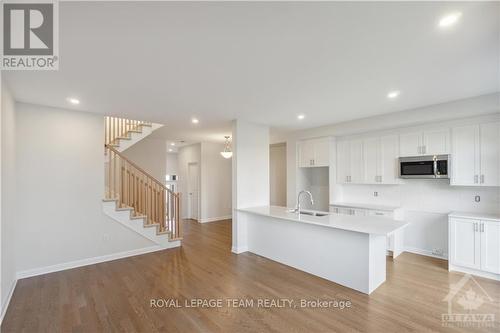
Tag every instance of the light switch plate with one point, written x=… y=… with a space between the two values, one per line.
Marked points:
x=477 y=198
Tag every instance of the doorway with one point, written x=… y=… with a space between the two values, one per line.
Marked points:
x=193 y=191
x=277 y=174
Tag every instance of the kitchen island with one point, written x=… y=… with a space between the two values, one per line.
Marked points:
x=348 y=250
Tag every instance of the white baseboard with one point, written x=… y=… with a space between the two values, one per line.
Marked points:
x=214 y=219
x=86 y=262
x=488 y=275
x=239 y=250
x=7 y=301
x=425 y=253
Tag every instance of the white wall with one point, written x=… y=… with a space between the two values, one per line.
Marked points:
x=215 y=183
x=250 y=175
x=60 y=185
x=426 y=202
x=151 y=155
x=277 y=174
x=186 y=155
x=172 y=167
x=8 y=194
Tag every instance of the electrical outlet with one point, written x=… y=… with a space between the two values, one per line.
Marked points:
x=375 y=194
x=437 y=252
x=477 y=198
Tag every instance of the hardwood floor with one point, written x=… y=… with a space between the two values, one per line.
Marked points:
x=115 y=296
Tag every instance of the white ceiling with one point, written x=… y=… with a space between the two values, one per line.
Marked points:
x=264 y=62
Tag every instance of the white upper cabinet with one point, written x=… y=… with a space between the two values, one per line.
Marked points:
x=343 y=161
x=356 y=162
x=388 y=160
x=410 y=144
x=475 y=158
x=314 y=153
x=306 y=153
x=489 y=139
x=427 y=142
x=321 y=152
x=436 y=141
x=464 y=152
x=371 y=160
x=380 y=160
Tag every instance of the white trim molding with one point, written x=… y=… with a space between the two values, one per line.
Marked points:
x=239 y=250
x=85 y=262
x=215 y=219
x=426 y=253
x=7 y=301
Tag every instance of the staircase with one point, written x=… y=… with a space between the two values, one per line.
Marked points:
x=132 y=196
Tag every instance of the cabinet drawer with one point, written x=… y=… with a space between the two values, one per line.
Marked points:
x=380 y=213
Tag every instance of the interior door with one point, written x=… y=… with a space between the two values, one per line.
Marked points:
x=389 y=159
x=436 y=141
x=193 y=191
x=356 y=161
x=410 y=143
x=490 y=246
x=464 y=155
x=371 y=163
x=490 y=150
x=465 y=242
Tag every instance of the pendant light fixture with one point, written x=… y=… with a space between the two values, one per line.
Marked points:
x=227 y=153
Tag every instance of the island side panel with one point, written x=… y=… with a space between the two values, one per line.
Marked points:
x=377 y=261
x=336 y=255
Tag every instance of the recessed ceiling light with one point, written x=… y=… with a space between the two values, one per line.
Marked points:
x=449 y=20
x=172 y=143
x=170 y=150
x=73 y=101
x=393 y=94
x=301 y=116
x=195 y=121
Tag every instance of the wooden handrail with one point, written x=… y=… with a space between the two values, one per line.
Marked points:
x=132 y=187
x=119 y=128
x=140 y=169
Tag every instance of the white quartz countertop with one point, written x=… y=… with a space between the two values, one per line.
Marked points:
x=364 y=205
x=365 y=224
x=478 y=216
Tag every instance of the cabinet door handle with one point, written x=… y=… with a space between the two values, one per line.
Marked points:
x=475 y=226
x=482 y=227
x=482 y=179
x=424 y=149
x=475 y=179
x=419 y=150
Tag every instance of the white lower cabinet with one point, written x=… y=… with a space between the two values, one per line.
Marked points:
x=474 y=245
x=395 y=241
x=490 y=246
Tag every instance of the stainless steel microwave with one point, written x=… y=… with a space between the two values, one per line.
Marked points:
x=431 y=166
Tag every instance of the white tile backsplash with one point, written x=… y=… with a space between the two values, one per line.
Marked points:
x=426 y=203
